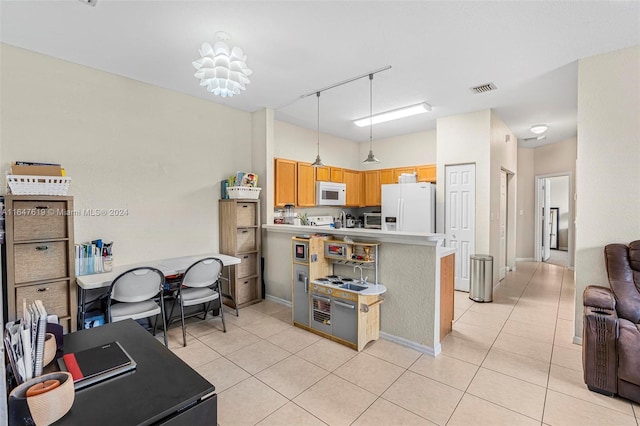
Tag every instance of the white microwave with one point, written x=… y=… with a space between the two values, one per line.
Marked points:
x=331 y=194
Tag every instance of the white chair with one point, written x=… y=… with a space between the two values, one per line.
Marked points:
x=200 y=285
x=136 y=290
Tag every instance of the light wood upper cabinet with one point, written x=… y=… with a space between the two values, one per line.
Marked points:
x=286 y=177
x=427 y=173
x=353 y=181
x=336 y=175
x=322 y=174
x=398 y=171
x=372 y=188
x=386 y=176
x=306 y=190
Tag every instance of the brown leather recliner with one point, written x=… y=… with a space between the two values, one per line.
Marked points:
x=611 y=331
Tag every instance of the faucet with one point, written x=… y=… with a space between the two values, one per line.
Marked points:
x=343 y=219
x=362 y=280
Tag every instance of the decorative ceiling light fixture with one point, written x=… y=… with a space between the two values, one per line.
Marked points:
x=538 y=129
x=393 y=114
x=370 y=158
x=221 y=70
x=318 y=162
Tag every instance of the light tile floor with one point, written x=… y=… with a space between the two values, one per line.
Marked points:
x=510 y=362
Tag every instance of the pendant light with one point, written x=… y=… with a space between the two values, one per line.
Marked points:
x=318 y=162
x=371 y=158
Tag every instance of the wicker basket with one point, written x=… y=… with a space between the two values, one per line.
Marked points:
x=243 y=192
x=38 y=185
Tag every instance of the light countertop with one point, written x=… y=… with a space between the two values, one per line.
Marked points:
x=417 y=238
x=372 y=289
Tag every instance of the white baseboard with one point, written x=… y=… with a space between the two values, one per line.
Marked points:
x=525 y=259
x=278 y=300
x=413 y=345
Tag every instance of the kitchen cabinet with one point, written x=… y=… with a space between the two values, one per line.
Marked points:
x=286 y=176
x=400 y=170
x=41 y=256
x=323 y=174
x=372 y=191
x=447 y=292
x=386 y=177
x=306 y=185
x=426 y=173
x=336 y=174
x=353 y=181
x=240 y=237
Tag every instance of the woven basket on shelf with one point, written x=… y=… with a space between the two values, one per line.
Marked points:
x=243 y=192
x=38 y=185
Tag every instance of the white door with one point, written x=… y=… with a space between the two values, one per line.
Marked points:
x=503 y=225
x=460 y=218
x=546 y=219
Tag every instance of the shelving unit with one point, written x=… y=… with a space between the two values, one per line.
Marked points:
x=358 y=249
x=40 y=256
x=240 y=237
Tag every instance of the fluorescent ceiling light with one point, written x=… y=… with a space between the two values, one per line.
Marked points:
x=539 y=128
x=394 y=114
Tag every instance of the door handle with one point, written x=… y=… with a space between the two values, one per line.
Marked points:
x=322 y=299
x=306 y=284
x=344 y=305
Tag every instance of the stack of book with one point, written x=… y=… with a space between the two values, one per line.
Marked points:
x=31 y=168
x=242 y=179
x=24 y=341
x=93 y=257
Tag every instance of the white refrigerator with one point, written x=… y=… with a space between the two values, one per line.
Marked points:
x=409 y=207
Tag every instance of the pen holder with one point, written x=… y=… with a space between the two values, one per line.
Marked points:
x=107 y=262
x=50 y=348
x=46 y=407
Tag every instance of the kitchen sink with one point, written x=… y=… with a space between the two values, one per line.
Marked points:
x=353 y=287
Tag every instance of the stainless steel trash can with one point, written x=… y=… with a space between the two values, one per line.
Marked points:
x=481 y=278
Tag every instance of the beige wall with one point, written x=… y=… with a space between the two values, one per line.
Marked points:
x=560 y=159
x=300 y=144
x=127 y=145
x=407 y=150
x=504 y=156
x=480 y=138
x=525 y=205
x=464 y=139
x=607 y=172
x=548 y=160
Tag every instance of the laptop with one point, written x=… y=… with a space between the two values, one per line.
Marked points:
x=96 y=364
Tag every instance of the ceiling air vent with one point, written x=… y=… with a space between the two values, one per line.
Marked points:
x=483 y=88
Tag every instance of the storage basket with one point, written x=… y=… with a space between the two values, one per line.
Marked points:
x=38 y=185
x=246 y=192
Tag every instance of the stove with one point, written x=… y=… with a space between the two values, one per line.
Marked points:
x=334 y=280
x=320 y=221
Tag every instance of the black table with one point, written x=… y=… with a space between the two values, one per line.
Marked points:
x=163 y=389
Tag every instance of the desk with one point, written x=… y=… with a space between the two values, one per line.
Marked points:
x=163 y=389
x=171 y=266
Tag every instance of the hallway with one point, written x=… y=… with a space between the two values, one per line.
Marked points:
x=510 y=362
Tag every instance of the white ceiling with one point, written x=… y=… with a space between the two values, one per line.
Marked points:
x=437 y=50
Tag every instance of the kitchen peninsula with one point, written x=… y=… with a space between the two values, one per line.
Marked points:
x=417 y=271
